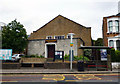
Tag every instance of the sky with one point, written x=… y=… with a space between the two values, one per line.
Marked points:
x=33 y=14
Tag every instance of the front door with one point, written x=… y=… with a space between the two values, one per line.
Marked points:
x=51 y=51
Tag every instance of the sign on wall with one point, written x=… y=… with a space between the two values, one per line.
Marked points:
x=51 y=41
x=103 y=53
x=5 y=54
x=59 y=55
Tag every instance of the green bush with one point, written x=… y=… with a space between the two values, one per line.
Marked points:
x=25 y=56
x=117 y=55
x=42 y=56
x=33 y=56
x=76 y=58
x=113 y=56
x=81 y=58
x=88 y=52
x=66 y=57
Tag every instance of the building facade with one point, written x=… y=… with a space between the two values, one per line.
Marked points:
x=111 y=31
x=53 y=36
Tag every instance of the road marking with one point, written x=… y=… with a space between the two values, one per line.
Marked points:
x=8 y=81
x=87 y=77
x=72 y=80
x=53 y=77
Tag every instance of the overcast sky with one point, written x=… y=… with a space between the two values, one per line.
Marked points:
x=33 y=14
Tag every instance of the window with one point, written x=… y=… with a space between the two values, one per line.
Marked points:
x=49 y=37
x=111 y=43
x=59 y=37
x=117 y=25
x=110 y=26
x=118 y=44
x=68 y=36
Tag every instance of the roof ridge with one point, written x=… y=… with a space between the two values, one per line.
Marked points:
x=63 y=17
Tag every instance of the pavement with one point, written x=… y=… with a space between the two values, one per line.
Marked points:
x=52 y=71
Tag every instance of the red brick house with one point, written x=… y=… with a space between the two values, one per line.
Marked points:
x=111 y=31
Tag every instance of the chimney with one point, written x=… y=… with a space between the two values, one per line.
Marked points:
x=119 y=7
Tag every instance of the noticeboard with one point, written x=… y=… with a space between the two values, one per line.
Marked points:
x=5 y=54
x=103 y=54
x=59 y=55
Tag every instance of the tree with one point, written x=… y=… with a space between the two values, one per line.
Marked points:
x=14 y=37
x=99 y=42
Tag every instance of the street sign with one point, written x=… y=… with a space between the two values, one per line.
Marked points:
x=71 y=44
x=5 y=54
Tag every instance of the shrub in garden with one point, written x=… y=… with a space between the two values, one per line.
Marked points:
x=113 y=56
x=66 y=57
x=117 y=55
x=81 y=58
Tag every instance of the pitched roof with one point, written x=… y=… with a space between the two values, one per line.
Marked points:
x=62 y=17
x=118 y=14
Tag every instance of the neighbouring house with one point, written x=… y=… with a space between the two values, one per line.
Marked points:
x=111 y=31
x=53 y=36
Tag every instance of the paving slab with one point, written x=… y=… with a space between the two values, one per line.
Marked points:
x=52 y=71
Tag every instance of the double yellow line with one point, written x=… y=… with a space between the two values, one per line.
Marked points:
x=58 y=77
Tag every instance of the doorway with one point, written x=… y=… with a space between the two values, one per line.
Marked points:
x=50 y=51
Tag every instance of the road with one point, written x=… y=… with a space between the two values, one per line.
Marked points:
x=73 y=78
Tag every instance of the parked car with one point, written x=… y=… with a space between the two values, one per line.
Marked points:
x=17 y=57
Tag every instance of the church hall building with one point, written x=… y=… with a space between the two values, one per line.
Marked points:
x=54 y=36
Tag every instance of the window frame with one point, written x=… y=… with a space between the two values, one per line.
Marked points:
x=111 y=45
x=59 y=37
x=118 y=44
x=68 y=36
x=47 y=37
x=117 y=25
x=110 y=26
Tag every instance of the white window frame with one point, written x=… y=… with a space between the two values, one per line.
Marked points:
x=110 y=26
x=67 y=36
x=48 y=36
x=113 y=19
x=60 y=35
x=117 y=26
x=112 y=41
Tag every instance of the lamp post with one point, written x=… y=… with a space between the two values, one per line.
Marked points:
x=71 y=45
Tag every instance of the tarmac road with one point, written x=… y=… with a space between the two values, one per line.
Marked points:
x=60 y=78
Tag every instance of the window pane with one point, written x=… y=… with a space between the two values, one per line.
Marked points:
x=110 y=26
x=111 y=43
x=55 y=37
x=110 y=29
x=117 y=25
x=116 y=22
x=49 y=37
x=59 y=37
x=110 y=23
x=118 y=44
x=62 y=37
x=117 y=29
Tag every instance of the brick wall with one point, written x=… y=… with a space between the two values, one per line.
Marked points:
x=105 y=34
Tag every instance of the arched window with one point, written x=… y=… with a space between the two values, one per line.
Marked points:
x=110 y=26
x=111 y=43
x=118 y=44
x=117 y=25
